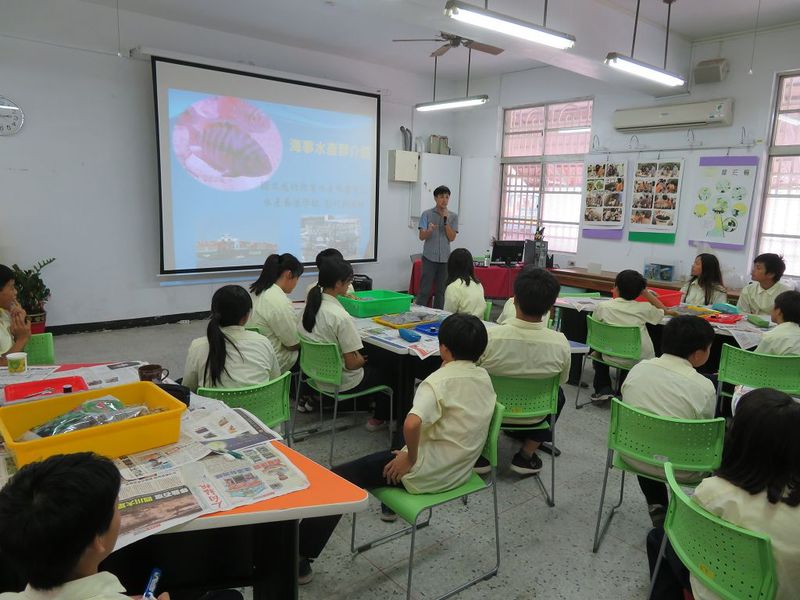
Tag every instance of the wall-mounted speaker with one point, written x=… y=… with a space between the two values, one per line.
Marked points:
x=711 y=71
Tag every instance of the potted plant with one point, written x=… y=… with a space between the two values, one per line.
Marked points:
x=32 y=293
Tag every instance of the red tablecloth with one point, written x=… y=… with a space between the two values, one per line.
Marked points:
x=498 y=282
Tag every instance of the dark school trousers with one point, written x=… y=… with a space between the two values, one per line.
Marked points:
x=673 y=576
x=434 y=276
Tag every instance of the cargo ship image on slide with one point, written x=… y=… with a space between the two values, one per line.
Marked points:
x=320 y=232
x=229 y=250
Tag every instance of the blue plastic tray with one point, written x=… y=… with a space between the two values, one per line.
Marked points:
x=429 y=328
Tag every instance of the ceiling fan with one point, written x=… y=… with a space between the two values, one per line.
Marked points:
x=454 y=41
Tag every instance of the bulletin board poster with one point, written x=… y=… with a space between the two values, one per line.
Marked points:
x=604 y=197
x=655 y=199
x=723 y=201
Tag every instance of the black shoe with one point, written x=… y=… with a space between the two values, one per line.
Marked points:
x=387 y=514
x=657 y=514
x=304 y=572
x=603 y=395
x=482 y=466
x=526 y=466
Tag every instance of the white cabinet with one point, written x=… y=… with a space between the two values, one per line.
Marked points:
x=403 y=165
x=436 y=170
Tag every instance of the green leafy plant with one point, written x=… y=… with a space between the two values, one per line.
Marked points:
x=32 y=293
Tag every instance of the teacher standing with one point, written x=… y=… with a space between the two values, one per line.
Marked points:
x=437 y=228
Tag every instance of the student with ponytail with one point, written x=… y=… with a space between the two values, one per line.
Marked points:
x=325 y=320
x=324 y=255
x=229 y=355
x=272 y=310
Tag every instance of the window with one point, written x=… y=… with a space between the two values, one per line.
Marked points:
x=543 y=149
x=780 y=219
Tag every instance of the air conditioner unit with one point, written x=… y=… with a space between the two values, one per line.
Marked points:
x=709 y=113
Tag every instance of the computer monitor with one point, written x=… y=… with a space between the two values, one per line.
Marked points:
x=508 y=251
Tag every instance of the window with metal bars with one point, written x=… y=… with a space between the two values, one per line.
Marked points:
x=543 y=148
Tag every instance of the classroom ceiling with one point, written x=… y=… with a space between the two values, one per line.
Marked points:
x=363 y=29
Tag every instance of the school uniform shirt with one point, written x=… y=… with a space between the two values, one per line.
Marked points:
x=275 y=318
x=619 y=311
x=780 y=522
x=335 y=325
x=755 y=300
x=462 y=298
x=693 y=293
x=509 y=311
x=254 y=362
x=455 y=404
x=100 y=586
x=6 y=339
x=784 y=340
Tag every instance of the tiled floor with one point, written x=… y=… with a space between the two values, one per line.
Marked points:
x=545 y=552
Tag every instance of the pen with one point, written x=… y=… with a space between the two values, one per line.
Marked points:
x=150 y=589
x=228 y=453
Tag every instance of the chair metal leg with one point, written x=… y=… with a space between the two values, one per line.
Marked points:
x=296 y=404
x=661 y=551
x=391 y=416
x=553 y=467
x=598 y=533
x=411 y=559
x=580 y=380
x=333 y=425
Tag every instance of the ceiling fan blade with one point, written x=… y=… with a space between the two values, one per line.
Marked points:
x=480 y=47
x=441 y=50
x=420 y=40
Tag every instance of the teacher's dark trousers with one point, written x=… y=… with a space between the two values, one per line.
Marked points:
x=434 y=277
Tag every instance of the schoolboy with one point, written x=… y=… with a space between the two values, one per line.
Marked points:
x=785 y=338
x=444 y=431
x=625 y=310
x=669 y=386
x=524 y=347
x=758 y=296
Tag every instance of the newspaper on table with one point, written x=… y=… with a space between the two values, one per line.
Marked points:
x=581 y=304
x=7 y=465
x=427 y=346
x=161 y=460
x=746 y=334
x=104 y=375
x=31 y=374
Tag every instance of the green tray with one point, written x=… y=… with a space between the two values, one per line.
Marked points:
x=381 y=302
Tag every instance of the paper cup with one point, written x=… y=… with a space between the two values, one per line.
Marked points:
x=17 y=362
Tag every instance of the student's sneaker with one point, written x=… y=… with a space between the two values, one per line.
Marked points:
x=657 y=514
x=482 y=466
x=304 y=572
x=387 y=514
x=307 y=405
x=374 y=424
x=602 y=396
x=526 y=466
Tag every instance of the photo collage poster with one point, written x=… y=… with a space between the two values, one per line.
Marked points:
x=604 y=194
x=723 y=202
x=655 y=196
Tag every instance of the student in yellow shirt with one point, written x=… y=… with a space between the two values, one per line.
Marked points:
x=444 y=432
x=785 y=338
x=464 y=293
x=705 y=287
x=758 y=296
x=15 y=330
x=272 y=310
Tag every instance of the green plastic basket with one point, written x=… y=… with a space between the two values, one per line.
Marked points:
x=381 y=302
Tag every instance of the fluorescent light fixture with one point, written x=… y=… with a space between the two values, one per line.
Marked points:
x=789 y=119
x=574 y=130
x=481 y=17
x=453 y=103
x=640 y=69
x=6 y=107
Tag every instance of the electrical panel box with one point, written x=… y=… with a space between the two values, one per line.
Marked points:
x=403 y=165
x=436 y=170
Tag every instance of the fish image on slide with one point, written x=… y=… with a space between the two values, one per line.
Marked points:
x=227 y=143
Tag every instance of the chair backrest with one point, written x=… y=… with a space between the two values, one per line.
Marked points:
x=732 y=562
x=756 y=370
x=579 y=295
x=621 y=341
x=252 y=328
x=489 y=451
x=269 y=401
x=690 y=445
x=487 y=312
x=527 y=398
x=40 y=349
x=321 y=361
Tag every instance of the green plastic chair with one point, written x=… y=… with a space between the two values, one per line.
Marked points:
x=322 y=363
x=268 y=402
x=732 y=562
x=252 y=328
x=613 y=340
x=409 y=507
x=40 y=349
x=530 y=400
x=755 y=370
x=690 y=445
x=487 y=312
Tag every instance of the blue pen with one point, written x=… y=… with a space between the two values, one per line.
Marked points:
x=150 y=590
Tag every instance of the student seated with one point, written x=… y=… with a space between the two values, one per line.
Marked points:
x=229 y=356
x=444 y=431
x=464 y=293
x=326 y=320
x=272 y=310
x=509 y=311
x=758 y=296
x=325 y=254
x=756 y=487
x=669 y=386
x=625 y=310
x=785 y=338
x=524 y=347
x=705 y=287
x=15 y=330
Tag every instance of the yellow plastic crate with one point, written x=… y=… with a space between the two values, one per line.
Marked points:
x=111 y=440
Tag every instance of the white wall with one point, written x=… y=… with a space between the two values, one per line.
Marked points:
x=478 y=139
x=80 y=182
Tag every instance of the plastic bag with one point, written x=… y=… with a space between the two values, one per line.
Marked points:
x=89 y=414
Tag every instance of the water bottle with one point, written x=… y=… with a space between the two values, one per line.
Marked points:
x=487 y=258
